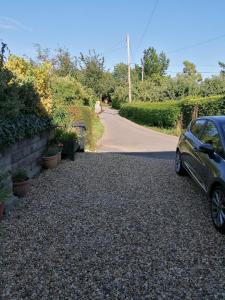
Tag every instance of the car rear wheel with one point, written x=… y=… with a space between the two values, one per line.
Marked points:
x=218 y=208
x=179 y=164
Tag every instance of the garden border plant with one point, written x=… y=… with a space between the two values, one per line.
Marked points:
x=21 y=183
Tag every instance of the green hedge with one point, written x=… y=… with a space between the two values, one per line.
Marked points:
x=208 y=106
x=152 y=114
x=23 y=126
x=116 y=104
x=168 y=114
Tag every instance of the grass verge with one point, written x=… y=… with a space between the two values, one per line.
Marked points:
x=169 y=131
x=98 y=130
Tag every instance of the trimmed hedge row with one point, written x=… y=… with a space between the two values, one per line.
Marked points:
x=208 y=106
x=23 y=126
x=168 y=114
x=152 y=114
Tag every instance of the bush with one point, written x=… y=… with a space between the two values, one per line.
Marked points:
x=117 y=104
x=68 y=92
x=33 y=85
x=170 y=113
x=119 y=97
x=87 y=115
x=62 y=135
x=208 y=106
x=20 y=175
x=153 y=114
x=10 y=104
x=21 y=127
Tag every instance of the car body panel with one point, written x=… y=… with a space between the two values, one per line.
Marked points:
x=206 y=171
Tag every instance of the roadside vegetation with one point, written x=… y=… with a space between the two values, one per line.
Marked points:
x=61 y=88
x=48 y=91
x=168 y=103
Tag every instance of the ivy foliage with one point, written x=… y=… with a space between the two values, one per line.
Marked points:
x=21 y=127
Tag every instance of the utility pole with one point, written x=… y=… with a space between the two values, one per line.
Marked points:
x=128 y=64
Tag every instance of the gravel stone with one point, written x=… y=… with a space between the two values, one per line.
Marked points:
x=112 y=226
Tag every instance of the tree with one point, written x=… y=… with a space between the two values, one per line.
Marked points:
x=190 y=70
x=107 y=85
x=213 y=86
x=43 y=54
x=92 y=66
x=3 y=50
x=120 y=73
x=154 y=64
x=222 y=66
x=64 y=64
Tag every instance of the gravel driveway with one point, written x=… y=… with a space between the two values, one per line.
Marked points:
x=112 y=226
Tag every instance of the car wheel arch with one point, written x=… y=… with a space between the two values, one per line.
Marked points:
x=214 y=185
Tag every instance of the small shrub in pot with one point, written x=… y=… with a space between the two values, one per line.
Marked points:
x=50 y=160
x=21 y=183
x=69 y=139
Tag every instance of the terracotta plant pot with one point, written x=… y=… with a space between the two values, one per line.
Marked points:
x=20 y=189
x=50 y=162
x=2 y=206
x=59 y=154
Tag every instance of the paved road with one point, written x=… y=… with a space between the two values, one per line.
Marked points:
x=122 y=135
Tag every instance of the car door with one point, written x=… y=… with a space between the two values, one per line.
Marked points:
x=209 y=168
x=192 y=143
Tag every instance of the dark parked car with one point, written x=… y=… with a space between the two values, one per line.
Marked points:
x=201 y=153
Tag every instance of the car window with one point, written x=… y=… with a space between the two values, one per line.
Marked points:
x=197 y=127
x=211 y=136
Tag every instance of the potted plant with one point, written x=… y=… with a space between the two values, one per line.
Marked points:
x=50 y=160
x=69 y=139
x=4 y=194
x=21 y=183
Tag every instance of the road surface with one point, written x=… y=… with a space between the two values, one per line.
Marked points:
x=122 y=135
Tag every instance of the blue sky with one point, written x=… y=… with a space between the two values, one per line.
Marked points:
x=80 y=25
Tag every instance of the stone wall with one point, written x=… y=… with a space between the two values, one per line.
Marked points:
x=26 y=154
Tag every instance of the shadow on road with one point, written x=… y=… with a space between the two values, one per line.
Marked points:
x=168 y=155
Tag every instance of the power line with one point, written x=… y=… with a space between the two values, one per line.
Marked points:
x=148 y=24
x=203 y=72
x=119 y=45
x=197 y=44
x=115 y=50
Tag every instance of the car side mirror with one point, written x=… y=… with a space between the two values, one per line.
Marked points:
x=207 y=149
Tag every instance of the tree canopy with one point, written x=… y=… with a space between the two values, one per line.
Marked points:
x=154 y=64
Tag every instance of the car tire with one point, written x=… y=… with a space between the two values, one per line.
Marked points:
x=179 y=169
x=218 y=208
